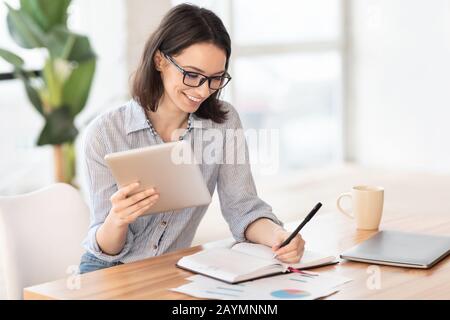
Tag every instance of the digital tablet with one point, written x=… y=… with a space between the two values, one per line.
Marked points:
x=169 y=167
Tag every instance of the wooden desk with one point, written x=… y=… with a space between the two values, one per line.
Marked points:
x=330 y=232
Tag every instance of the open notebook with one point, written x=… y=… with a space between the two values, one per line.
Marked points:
x=246 y=261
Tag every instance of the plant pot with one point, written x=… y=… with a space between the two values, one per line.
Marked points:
x=65 y=163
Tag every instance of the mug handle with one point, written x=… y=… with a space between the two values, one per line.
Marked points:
x=338 y=204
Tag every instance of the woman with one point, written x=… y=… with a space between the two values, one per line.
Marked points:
x=176 y=88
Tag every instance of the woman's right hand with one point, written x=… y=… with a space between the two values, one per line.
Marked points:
x=126 y=209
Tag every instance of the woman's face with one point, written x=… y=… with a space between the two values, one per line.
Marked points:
x=204 y=58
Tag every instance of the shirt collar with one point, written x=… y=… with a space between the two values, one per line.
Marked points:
x=136 y=119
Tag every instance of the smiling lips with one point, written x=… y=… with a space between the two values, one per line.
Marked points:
x=193 y=98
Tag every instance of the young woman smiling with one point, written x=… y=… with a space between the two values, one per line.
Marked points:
x=176 y=87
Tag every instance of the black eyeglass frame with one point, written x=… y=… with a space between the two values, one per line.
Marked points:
x=204 y=77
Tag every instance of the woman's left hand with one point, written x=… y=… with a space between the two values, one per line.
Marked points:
x=290 y=253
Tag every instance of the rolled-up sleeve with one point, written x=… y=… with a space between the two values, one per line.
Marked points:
x=238 y=197
x=100 y=186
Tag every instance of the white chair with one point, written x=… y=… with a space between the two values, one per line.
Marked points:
x=40 y=236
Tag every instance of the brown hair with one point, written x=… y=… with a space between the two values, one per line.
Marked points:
x=183 y=26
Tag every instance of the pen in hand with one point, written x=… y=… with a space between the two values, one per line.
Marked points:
x=297 y=230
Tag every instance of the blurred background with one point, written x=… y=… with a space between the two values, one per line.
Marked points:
x=363 y=81
x=348 y=84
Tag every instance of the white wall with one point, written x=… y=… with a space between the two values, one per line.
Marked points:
x=104 y=21
x=142 y=20
x=400 y=83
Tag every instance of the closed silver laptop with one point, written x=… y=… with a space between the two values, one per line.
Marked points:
x=401 y=249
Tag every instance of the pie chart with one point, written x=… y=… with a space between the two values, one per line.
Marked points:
x=289 y=294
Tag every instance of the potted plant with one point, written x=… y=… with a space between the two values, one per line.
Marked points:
x=60 y=90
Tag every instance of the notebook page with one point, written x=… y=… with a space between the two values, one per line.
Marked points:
x=309 y=258
x=312 y=258
x=225 y=264
x=254 y=249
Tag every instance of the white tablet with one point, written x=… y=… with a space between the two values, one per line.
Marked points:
x=169 y=167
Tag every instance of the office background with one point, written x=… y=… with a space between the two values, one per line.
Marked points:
x=359 y=82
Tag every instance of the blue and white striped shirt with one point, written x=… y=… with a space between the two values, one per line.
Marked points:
x=127 y=128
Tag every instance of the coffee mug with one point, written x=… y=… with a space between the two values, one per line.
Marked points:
x=367 y=206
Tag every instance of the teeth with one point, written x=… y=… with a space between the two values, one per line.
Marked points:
x=193 y=98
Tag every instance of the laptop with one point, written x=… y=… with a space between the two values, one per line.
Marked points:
x=401 y=249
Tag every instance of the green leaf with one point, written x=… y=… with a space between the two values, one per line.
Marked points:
x=24 y=30
x=69 y=46
x=46 y=13
x=18 y=63
x=59 y=128
x=81 y=50
x=32 y=8
x=77 y=86
x=32 y=93
x=11 y=58
x=53 y=83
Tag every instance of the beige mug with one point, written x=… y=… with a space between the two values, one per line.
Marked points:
x=367 y=206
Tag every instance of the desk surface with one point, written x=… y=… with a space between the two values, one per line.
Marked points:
x=330 y=232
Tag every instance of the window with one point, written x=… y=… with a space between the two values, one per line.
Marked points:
x=258 y=22
x=287 y=70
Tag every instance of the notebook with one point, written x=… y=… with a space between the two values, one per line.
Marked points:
x=401 y=249
x=246 y=261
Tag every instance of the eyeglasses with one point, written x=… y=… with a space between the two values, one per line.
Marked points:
x=195 y=79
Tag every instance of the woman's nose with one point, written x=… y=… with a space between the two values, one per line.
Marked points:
x=203 y=90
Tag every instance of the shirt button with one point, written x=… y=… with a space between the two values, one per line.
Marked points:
x=155 y=247
x=164 y=223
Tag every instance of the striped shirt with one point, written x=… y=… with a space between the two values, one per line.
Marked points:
x=127 y=128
